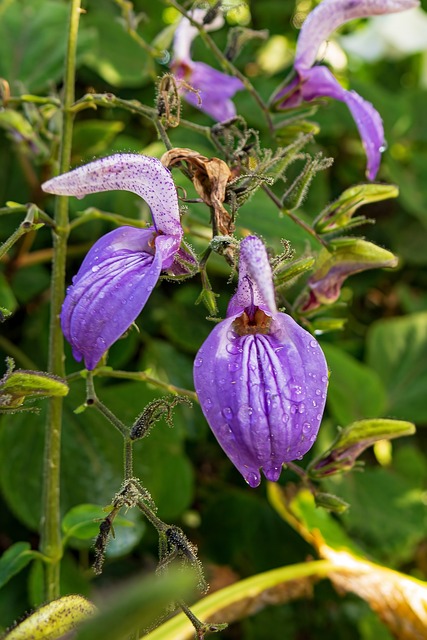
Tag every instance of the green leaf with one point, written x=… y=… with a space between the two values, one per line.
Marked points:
x=355 y=391
x=83 y=521
x=14 y=559
x=404 y=520
x=237 y=600
x=397 y=351
x=116 y=57
x=94 y=137
x=135 y=606
x=92 y=462
x=37 y=27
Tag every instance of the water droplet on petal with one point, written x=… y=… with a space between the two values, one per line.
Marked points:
x=324 y=378
x=253 y=479
x=318 y=392
x=313 y=344
x=285 y=418
x=208 y=404
x=95 y=268
x=306 y=427
x=245 y=412
x=227 y=413
x=233 y=366
x=198 y=362
x=233 y=349
x=383 y=147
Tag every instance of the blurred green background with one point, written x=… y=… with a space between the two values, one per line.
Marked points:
x=378 y=361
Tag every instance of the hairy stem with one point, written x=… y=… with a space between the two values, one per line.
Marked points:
x=50 y=543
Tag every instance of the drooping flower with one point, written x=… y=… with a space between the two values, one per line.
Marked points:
x=213 y=89
x=317 y=81
x=121 y=269
x=345 y=257
x=261 y=379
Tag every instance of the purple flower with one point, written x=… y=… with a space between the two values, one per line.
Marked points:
x=317 y=81
x=261 y=379
x=122 y=268
x=214 y=89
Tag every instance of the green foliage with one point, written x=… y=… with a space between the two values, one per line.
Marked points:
x=283 y=179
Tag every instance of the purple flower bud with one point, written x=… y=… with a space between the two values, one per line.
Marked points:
x=214 y=88
x=121 y=269
x=316 y=82
x=346 y=257
x=261 y=379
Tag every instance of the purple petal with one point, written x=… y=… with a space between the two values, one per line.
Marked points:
x=215 y=89
x=263 y=395
x=319 y=82
x=111 y=288
x=331 y=14
x=145 y=176
x=255 y=279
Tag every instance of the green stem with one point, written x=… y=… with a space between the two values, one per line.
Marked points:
x=50 y=543
x=293 y=217
x=140 y=376
x=93 y=401
x=225 y=63
x=128 y=459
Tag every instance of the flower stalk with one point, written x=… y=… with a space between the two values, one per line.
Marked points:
x=50 y=544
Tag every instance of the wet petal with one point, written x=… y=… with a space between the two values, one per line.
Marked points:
x=215 y=91
x=111 y=288
x=319 y=82
x=255 y=278
x=263 y=395
x=143 y=175
x=331 y=14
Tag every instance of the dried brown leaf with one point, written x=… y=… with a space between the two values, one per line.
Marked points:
x=210 y=177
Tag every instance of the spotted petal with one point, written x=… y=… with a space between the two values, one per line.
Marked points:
x=263 y=395
x=143 y=175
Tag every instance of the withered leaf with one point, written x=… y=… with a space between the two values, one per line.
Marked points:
x=210 y=177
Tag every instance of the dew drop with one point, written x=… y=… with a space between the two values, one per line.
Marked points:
x=95 y=268
x=318 y=392
x=383 y=147
x=252 y=479
x=227 y=413
x=324 y=378
x=319 y=416
x=285 y=418
x=294 y=409
x=313 y=344
x=198 y=362
x=233 y=349
x=245 y=412
x=208 y=404
x=314 y=403
x=301 y=408
x=233 y=366
x=306 y=428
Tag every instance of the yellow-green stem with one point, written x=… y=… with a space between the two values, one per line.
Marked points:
x=50 y=544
